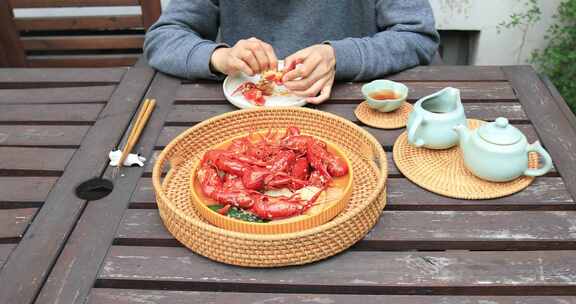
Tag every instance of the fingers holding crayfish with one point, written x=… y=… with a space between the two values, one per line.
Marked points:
x=257 y=54
x=324 y=93
x=313 y=72
x=265 y=54
x=310 y=84
x=239 y=65
x=250 y=56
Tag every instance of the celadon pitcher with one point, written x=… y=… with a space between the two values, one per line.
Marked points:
x=498 y=152
x=433 y=118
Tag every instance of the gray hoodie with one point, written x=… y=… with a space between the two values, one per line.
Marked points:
x=371 y=38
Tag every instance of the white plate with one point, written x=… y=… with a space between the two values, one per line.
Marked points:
x=231 y=84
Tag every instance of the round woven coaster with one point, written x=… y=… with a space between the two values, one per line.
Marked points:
x=391 y=120
x=443 y=171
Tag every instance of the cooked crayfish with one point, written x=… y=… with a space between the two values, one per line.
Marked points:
x=255 y=93
x=238 y=175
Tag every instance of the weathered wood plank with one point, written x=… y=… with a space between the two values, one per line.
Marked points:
x=135 y=296
x=75 y=271
x=11 y=51
x=430 y=273
x=473 y=230
x=25 y=189
x=149 y=165
x=42 y=135
x=89 y=42
x=544 y=193
x=46 y=236
x=559 y=100
x=23 y=161
x=114 y=22
x=193 y=113
x=61 y=76
x=13 y=223
x=56 y=113
x=151 y=11
x=385 y=137
x=167 y=134
x=415 y=230
x=144 y=192
x=350 y=92
x=5 y=250
x=553 y=126
x=57 y=95
x=68 y=3
x=451 y=73
x=82 y=61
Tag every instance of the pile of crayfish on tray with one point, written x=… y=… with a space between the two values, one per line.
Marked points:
x=256 y=92
x=240 y=176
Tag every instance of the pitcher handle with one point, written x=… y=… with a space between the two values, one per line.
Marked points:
x=412 y=131
x=547 y=160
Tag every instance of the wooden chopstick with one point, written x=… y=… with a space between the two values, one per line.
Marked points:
x=141 y=120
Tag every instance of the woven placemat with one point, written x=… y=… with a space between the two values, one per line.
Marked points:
x=443 y=171
x=391 y=120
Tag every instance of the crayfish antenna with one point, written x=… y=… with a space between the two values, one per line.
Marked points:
x=312 y=201
x=239 y=88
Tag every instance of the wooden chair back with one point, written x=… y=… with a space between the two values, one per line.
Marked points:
x=74 y=41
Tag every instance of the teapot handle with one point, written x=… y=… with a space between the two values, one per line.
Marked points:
x=412 y=130
x=547 y=160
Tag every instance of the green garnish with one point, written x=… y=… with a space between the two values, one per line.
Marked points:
x=239 y=214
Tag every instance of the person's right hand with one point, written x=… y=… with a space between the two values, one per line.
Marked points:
x=251 y=56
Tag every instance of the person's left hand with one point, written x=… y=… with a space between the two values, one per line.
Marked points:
x=314 y=77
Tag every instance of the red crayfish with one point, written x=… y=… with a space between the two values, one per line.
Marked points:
x=255 y=93
x=238 y=175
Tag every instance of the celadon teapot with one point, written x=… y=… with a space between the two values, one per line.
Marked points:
x=498 y=151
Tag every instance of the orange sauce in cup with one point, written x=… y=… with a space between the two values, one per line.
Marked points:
x=384 y=95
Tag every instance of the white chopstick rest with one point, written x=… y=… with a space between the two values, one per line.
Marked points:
x=132 y=159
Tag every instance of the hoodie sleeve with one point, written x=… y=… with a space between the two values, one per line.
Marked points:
x=407 y=38
x=181 y=42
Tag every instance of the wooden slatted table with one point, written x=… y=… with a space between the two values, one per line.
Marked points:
x=56 y=127
x=425 y=249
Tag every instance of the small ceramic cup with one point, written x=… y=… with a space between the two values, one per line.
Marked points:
x=387 y=105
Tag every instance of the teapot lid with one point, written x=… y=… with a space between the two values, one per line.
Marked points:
x=500 y=132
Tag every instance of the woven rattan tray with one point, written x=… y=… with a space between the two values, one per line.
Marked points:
x=255 y=250
x=444 y=172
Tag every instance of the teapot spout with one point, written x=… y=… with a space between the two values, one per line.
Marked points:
x=463 y=134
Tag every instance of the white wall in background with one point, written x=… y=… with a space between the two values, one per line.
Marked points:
x=484 y=15
x=479 y=15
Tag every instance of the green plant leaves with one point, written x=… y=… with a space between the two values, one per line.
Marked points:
x=558 y=59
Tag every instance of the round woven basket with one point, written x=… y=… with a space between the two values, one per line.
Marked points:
x=257 y=250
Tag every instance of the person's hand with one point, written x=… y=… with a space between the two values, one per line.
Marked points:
x=314 y=77
x=250 y=56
